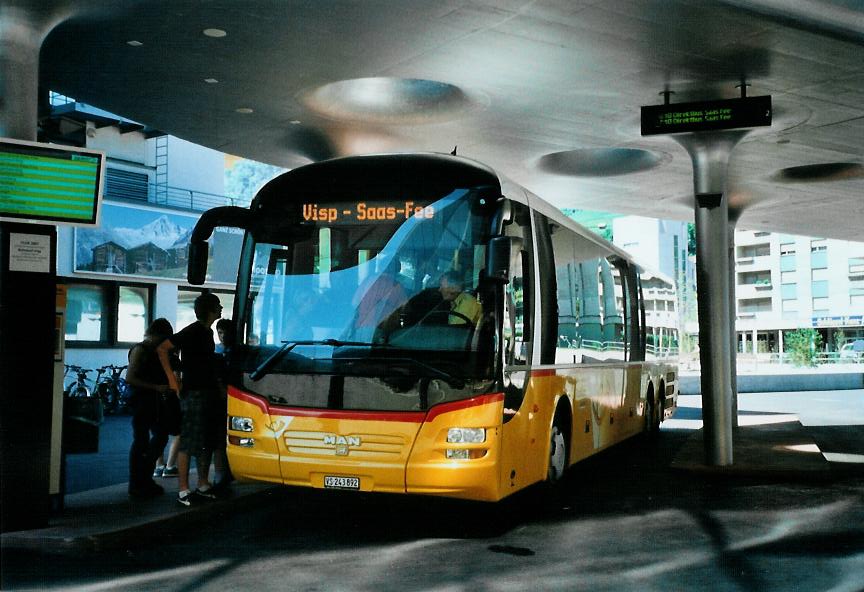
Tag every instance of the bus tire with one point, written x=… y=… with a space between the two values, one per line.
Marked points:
x=559 y=447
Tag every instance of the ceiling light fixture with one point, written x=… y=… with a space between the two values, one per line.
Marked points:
x=210 y=80
x=134 y=43
x=244 y=110
x=215 y=33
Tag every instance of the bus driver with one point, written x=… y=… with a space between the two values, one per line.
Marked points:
x=462 y=303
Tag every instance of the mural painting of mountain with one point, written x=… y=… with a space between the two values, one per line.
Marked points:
x=148 y=243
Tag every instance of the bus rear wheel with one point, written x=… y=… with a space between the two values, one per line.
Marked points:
x=652 y=414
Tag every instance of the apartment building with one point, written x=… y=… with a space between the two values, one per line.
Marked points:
x=784 y=282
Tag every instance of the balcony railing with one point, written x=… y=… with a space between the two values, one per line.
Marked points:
x=172 y=197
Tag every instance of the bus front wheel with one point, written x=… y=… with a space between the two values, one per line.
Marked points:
x=557 y=454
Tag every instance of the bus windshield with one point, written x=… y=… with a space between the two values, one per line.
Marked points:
x=389 y=289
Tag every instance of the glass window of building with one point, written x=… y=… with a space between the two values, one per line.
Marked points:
x=817 y=245
x=789 y=291
x=856 y=267
x=787 y=262
x=106 y=314
x=87 y=311
x=819 y=289
x=133 y=309
x=819 y=275
x=790 y=305
x=820 y=305
x=788 y=277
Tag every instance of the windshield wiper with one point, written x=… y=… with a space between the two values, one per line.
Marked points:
x=287 y=346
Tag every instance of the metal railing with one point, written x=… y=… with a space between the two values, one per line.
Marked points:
x=172 y=197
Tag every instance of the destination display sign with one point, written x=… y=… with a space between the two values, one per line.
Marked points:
x=677 y=118
x=363 y=212
x=44 y=182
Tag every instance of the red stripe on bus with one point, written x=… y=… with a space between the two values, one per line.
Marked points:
x=543 y=372
x=467 y=403
x=410 y=416
x=260 y=402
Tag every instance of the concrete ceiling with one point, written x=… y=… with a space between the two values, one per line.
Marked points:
x=546 y=91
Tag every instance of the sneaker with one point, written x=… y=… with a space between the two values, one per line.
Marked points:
x=206 y=494
x=170 y=472
x=185 y=499
x=157 y=472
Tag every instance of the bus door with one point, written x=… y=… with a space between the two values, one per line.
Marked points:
x=523 y=443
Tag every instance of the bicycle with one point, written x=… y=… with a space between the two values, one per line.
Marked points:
x=78 y=387
x=112 y=389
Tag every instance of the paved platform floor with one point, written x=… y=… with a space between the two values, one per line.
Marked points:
x=778 y=447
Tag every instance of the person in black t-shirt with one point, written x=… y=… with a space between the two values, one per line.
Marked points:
x=199 y=396
x=149 y=384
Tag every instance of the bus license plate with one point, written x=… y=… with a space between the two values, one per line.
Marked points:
x=332 y=482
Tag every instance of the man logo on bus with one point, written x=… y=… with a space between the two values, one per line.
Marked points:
x=342 y=443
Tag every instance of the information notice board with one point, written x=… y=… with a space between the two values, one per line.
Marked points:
x=50 y=183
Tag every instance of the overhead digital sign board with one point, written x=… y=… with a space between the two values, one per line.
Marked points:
x=703 y=116
x=50 y=183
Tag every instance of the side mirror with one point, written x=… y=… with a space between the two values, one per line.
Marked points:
x=499 y=255
x=232 y=216
x=196 y=271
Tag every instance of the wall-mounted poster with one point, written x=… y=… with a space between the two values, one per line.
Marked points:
x=151 y=243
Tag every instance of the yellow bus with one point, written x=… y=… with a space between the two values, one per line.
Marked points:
x=412 y=323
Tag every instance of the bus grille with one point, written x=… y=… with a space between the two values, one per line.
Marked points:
x=354 y=445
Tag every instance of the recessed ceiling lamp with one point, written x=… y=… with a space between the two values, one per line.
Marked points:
x=815 y=173
x=214 y=33
x=385 y=100
x=134 y=43
x=600 y=162
x=210 y=80
x=244 y=110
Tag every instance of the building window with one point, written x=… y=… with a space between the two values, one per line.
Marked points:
x=106 y=314
x=818 y=254
x=819 y=275
x=856 y=266
x=752 y=305
x=787 y=249
x=788 y=291
x=820 y=306
x=787 y=262
x=790 y=305
x=819 y=289
x=754 y=251
x=856 y=297
x=755 y=278
x=788 y=277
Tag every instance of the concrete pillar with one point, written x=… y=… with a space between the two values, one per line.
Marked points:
x=20 y=40
x=709 y=153
x=29 y=447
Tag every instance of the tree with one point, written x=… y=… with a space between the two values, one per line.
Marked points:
x=802 y=345
x=246 y=177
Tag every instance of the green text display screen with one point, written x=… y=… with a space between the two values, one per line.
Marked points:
x=47 y=184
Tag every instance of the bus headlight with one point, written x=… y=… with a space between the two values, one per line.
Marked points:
x=466 y=435
x=240 y=424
